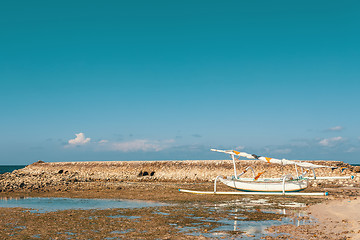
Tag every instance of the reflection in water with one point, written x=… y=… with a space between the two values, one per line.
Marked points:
x=11 y=198
x=54 y=204
x=259 y=227
x=248 y=218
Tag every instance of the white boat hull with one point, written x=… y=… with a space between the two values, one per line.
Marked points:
x=265 y=185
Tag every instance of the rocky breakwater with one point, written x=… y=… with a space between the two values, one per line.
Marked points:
x=64 y=176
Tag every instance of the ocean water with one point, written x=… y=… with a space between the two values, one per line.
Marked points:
x=10 y=168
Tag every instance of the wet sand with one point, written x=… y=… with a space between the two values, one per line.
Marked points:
x=335 y=219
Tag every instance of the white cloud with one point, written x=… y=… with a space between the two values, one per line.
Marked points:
x=169 y=141
x=282 y=151
x=336 y=128
x=137 y=145
x=79 y=140
x=328 y=142
x=144 y=145
x=352 y=149
x=240 y=148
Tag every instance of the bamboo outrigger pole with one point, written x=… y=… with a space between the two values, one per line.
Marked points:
x=256 y=193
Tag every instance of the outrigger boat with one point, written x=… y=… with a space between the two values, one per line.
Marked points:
x=287 y=184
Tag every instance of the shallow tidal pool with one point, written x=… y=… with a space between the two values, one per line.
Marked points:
x=41 y=205
x=73 y=218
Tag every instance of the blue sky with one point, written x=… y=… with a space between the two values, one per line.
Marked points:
x=158 y=80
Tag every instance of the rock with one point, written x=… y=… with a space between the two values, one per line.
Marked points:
x=38 y=162
x=92 y=175
x=356 y=169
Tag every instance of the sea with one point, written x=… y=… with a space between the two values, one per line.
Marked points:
x=10 y=168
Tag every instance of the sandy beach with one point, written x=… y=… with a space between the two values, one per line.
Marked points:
x=185 y=216
x=339 y=217
x=336 y=219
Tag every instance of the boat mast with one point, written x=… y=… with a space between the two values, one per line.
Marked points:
x=233 y=158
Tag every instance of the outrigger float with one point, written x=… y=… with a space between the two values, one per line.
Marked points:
x=286 y=185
